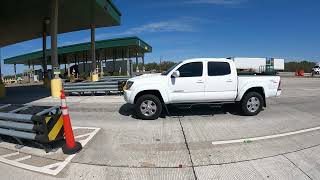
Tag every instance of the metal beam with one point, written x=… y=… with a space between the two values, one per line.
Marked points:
x=54 y=32
x=44 y=47
x=143 y=68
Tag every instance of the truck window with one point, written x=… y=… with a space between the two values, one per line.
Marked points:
x=218 y=68
x=191 y=69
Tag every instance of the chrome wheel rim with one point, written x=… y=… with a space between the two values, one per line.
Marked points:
x=253 y=104
x=148 y=108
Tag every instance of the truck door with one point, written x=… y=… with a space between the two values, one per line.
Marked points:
x=221 y=82
x=189 y=86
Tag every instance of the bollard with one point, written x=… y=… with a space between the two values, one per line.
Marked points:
x=71 y=146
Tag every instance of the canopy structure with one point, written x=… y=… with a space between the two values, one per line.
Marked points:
x=105 y=49
x=26 y=20
x=23 y=20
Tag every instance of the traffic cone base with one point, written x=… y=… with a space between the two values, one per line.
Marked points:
x=73 y=150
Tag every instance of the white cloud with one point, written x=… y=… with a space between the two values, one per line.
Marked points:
x=217 y=2
x=184 y=24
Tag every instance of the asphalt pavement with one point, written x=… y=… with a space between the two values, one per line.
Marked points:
x=282 y=142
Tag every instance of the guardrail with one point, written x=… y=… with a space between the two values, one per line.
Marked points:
x=105 y=85
x=115 y=78
x=42 y=124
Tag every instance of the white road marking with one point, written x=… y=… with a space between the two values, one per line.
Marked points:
x=84 y=142
x=52 y=165
x=11 y=154
x=83 y=135
x=48 y=168
x=265 y=137
x=23 y=158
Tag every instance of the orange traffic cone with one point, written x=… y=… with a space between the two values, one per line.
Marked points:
x=71 y=146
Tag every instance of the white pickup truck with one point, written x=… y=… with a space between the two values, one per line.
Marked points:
x=204 y=80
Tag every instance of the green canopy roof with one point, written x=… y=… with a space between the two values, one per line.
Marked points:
x=106 y=49
x=22 y=20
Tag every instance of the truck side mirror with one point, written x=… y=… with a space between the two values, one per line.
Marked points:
x=176 y=74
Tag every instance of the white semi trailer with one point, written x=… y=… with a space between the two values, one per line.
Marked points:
x=254 y=64
x=278 y=64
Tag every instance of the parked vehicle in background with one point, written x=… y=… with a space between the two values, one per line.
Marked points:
x=278 y=64
x=207 y=80
x=249 y=64
x=316 y=70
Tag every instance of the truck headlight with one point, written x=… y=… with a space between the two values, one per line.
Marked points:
x=128 y=85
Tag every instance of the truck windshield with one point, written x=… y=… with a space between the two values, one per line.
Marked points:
x=170 y=69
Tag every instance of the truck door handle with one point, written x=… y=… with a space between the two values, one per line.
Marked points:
x=229 y=80
x=200 y=81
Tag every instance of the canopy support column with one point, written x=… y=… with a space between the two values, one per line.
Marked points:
x=68 y=67
x=29 y=72
x=56 y=83
x=137 y=63
x=128 y=63
x=46 y=82
x=143 y=68
x=2 y=86
x=95 y=76
x=15 y=71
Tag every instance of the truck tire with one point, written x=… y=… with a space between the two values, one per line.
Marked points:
x=148 y=107
x=251 y=104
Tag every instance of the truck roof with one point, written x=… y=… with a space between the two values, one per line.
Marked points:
x=208 y=59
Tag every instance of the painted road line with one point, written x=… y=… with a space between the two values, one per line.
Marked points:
x=50 y=166
x=51 y=169
x=265 y=137
x=84 y=142
x=11 y=154
x=23 y=158
x=81 y=136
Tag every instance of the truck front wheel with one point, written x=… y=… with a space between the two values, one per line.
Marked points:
x=252 y=104
x=148 y=107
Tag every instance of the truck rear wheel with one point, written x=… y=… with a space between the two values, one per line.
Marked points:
x=148 y=107
x=252 y=104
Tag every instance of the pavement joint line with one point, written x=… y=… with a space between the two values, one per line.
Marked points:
x=173 y=167
x=189 y=152
x=297 y=166
x=243 y=140
x=47 y=169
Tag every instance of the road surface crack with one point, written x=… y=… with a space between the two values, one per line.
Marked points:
x=297 y=166
x=189 y=152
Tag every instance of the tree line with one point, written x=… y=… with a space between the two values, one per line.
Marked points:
x=296 y=66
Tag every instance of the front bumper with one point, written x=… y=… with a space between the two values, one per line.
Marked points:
x=127 y=96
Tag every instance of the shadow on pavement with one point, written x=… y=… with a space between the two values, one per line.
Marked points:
x=24 y=94
x=20 y=143
x=195 y=110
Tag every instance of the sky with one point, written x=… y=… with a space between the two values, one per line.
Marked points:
x=182 y=29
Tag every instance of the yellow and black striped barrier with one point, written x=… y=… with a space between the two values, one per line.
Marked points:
x=42 y=124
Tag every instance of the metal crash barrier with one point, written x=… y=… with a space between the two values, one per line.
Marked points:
x=115 y=78
x=42 y=124
x=106 y=85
